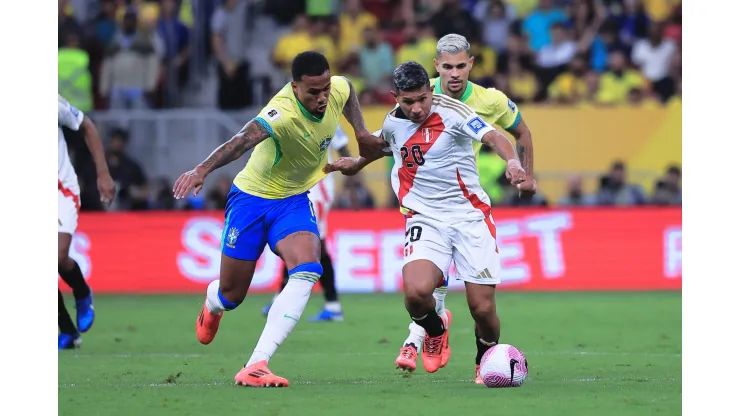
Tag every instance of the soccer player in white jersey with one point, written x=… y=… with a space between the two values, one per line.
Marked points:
x=322 y=199
x=68 y=212
x=448 y=215
x=454 y=62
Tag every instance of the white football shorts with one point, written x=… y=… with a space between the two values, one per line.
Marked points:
x=471 y=244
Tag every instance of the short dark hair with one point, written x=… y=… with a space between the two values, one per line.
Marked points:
x=410 y=76
x=308 y=63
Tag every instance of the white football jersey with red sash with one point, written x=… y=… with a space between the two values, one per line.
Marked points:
x=435 y=178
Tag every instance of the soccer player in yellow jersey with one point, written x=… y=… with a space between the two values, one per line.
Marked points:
x=453 y=63
x=268 y=202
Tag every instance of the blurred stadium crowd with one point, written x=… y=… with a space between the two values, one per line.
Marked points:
x=143 y=54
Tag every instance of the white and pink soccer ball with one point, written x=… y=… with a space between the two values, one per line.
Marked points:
x=503 y=366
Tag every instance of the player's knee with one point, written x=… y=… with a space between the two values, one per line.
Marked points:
x=310 y=271
x=416 y=299
x=483 y=311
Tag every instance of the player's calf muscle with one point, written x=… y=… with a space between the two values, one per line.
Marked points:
x=234 y=290
x=236 y=276
x=64 y=241
x=482 y=304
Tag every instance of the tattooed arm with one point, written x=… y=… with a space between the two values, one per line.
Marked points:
x=370 y=146
x=352 y=111
x=524 y=147
x=525 y=150
x=249 y=136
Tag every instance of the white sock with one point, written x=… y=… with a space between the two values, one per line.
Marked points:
x=335 y=307
x=440 y=294
x=284 y=314
x=416 y=336
x=213 y=303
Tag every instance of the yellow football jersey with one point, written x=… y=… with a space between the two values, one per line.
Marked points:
x=491 y=104
x=290 y=161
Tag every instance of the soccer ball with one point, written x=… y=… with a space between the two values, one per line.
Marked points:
x=503 y=366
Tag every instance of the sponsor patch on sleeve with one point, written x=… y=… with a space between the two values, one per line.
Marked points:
x=476 y=124
x=273 y=114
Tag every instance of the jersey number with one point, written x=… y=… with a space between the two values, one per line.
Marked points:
x=414 y=234
x=416 y=155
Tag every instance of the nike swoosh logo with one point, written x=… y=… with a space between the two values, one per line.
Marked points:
x=289 y=317
x=306 y=135
x=512 y=363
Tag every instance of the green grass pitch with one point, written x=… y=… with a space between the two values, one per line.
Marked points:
x=588 y=353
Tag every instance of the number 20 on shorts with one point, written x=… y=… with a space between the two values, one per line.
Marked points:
x=413 y=234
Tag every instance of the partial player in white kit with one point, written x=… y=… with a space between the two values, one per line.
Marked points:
x=322 y=199
x=69 y=208
x=448 y=215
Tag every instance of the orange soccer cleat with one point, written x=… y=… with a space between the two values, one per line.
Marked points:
x=206 y=325
x=406 y=360
x=258 y=375
x=478 y=380
x=435 y=349
x=446 y=352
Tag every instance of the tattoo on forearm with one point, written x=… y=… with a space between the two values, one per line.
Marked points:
x=247 y=138
x=526 y=157
x=352 y=111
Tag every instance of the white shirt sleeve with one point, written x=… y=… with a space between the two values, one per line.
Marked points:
x=69 y=116
x=474 y=127
x=340 y=139
x=385 y=133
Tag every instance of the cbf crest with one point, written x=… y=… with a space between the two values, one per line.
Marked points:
x=324 y=144
x=232 y=236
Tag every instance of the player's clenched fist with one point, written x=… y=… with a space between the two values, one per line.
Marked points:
x=189 y=180
x=347 y=165
x=527 y=188
x=515 y=172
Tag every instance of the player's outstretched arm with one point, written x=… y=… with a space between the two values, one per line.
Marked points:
x=525 y=150
x=524 y=147
x=350 y=166
x=503 y=147
x=369 y=145
x=106 y=186
x=249 y=136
